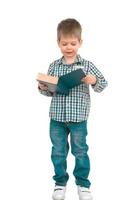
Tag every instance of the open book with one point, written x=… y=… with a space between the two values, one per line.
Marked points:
x=50 y=81
x=63 y=83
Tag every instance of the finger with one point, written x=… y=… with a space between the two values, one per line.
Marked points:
x=83 y=79
x=45 y=87
x=42 y=84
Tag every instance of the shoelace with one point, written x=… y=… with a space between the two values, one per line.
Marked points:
x=57 y=189
x=85 y=190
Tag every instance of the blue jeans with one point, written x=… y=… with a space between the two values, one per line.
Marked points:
x=59 y=132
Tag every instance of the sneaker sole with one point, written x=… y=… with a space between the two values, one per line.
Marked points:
x=58 y=199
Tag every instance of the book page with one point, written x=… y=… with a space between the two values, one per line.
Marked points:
x=47 y=78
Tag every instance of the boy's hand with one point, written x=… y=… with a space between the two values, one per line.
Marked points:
x=89 y=79
x=42 y=86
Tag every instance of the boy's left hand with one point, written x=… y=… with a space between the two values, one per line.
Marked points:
x=89 y=79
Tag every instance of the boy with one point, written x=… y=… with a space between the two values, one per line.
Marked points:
x=69 y=113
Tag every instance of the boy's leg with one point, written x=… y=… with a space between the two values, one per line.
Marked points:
x=79 y=150
x=59 y=138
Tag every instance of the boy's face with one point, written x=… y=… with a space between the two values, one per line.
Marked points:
x=69 y=46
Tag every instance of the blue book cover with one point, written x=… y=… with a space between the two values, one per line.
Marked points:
x=69 y=81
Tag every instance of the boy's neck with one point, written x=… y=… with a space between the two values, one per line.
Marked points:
x=70 y=60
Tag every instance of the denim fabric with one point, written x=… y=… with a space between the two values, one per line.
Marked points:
x=59 y=132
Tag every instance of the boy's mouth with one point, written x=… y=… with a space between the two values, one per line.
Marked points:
x=69 y=52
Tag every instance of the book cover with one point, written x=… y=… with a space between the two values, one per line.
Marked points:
x=69 y=81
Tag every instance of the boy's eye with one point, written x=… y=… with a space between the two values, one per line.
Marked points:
x=64 y=44
x=73 y=44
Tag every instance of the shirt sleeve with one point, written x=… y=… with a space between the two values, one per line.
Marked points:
x=50 y=72
x=101 y=83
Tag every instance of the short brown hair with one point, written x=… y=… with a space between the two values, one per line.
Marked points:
x=69 y=27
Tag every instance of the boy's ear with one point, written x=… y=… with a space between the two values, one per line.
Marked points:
x=58 y=42
x=81 y=41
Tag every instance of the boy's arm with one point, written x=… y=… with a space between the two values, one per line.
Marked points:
x=46 y=92
x=101 y=83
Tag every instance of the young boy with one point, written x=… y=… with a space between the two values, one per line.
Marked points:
x=69 y=113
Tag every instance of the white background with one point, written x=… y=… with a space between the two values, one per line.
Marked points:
x=28 y=46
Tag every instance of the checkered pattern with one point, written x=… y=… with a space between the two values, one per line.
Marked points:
x=76 y=106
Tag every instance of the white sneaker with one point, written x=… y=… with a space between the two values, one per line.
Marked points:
x=59 y=192
x=84 y=193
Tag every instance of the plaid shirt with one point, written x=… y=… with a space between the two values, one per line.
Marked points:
x=74 y=107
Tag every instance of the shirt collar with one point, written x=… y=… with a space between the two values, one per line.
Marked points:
x=77 y=60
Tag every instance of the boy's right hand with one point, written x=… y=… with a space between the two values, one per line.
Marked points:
x=42 y=86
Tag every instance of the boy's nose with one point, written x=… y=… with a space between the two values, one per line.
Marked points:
x=68 y=46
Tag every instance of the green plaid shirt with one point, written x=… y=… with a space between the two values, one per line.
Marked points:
x=76 y=106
